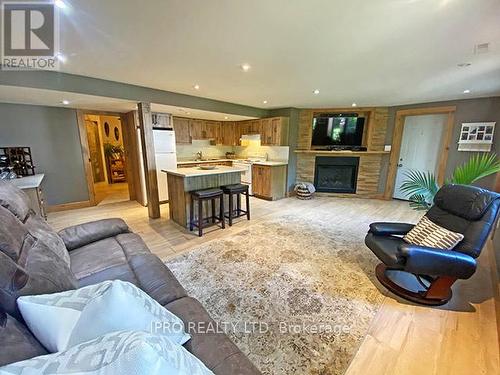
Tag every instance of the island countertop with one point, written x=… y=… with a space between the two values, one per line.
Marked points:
x=197 y=172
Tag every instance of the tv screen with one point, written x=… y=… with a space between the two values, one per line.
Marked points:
x=337 y=130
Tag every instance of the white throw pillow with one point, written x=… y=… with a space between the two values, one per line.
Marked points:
x=62 y=320
x=123 y=352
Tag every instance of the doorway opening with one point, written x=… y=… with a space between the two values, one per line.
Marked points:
x=107 y=156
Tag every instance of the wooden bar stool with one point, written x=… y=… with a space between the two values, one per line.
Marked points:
x=237 y=189
x=204 y=196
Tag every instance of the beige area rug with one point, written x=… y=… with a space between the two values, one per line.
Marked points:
x=308 y=282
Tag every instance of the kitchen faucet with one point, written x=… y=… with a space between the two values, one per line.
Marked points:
x=199 y=155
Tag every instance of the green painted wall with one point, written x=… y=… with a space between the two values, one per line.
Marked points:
x=52 y=134
x=468 y=110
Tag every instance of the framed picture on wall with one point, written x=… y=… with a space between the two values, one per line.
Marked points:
x=476 y=136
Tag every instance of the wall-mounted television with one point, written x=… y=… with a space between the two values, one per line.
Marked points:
x=337 y=129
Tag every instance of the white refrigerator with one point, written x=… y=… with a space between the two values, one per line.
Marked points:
x=164 y=141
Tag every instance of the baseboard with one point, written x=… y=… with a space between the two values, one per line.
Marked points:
x=68 y=206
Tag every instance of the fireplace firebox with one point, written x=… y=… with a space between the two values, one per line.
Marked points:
x=336 y=174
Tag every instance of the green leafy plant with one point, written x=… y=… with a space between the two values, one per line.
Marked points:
x=421 y=187
x=110 y=150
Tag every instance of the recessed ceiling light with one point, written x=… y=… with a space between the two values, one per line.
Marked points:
x=467 y=91
x=188 y=113
x=464 y=65
x=196 y=87
x=265 y=102
x=225 y=117
x=61 y=57
x=245 y=67
x=353 y=104
x=316 y=92
x=60 y=4
x=65 y=102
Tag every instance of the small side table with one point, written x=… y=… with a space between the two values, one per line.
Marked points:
x=31 y=185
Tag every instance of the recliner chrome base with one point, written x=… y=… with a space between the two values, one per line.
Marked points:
x=436 y=294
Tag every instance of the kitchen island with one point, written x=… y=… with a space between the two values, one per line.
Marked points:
x=182 y=181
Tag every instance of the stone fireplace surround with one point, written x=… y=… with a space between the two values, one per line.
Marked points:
x=371 y=162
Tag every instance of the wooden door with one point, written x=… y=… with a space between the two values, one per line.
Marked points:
x=135 y=172
x=95 y=150
x=181 y=128
x=197 y=129
x=228 y=133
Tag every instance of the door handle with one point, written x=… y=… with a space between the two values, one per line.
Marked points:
x=400 y=165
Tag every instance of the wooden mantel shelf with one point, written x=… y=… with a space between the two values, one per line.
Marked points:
x=354 y=153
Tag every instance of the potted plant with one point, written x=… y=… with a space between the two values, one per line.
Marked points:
x=112 y=151
x=421 y=187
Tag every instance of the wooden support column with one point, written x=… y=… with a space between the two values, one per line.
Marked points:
x=148 y=156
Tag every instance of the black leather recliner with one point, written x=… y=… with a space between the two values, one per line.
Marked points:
x=464 y=209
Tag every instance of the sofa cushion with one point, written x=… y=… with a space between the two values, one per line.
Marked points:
x=18 y=343
x=214 y=349
x=12 y=234
x=156 y=279
x=39 y=228
x=84 y=234
x=101 y=255
x=14 y=199
x=121 y=272
x=39 y=271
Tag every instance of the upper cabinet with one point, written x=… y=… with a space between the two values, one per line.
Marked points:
x=229 y=136
x=273 y=131
x=161 y=120
x=181 y=128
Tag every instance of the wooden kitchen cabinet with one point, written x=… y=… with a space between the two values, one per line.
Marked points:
x=196 y=129
x=254 y=127
x=269 y=182
x=274 y=131
x=181 y=128
x=228 y=132
x=212 y=130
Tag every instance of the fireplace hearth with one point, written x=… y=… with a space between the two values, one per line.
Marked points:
x=336 y=174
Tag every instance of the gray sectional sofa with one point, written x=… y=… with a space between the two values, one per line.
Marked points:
x=36 y=260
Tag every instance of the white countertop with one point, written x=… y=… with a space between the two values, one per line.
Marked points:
x=271 y=163
x=187 y=162
x=195 y=172
x=28 y=182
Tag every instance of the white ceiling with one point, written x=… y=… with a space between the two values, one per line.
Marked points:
x=24 y=95
x=372 y=52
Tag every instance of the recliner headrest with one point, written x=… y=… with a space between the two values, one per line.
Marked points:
x=468 y=202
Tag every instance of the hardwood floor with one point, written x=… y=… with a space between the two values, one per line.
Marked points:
x=458 y=338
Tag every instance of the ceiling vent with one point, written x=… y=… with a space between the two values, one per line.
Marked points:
x=481 y=48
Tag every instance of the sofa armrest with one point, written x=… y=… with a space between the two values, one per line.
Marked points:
x=387 y=229
x=83 y=234
x=429 y=261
